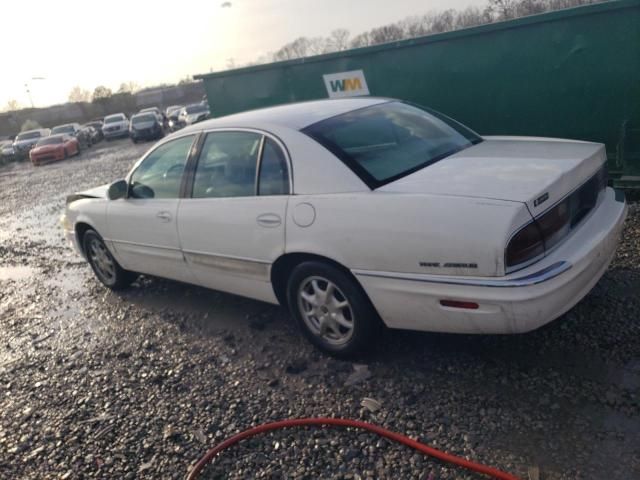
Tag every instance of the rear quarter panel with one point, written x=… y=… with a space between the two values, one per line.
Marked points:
x=408 y=233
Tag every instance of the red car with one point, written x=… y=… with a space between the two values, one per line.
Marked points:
x=54 y=147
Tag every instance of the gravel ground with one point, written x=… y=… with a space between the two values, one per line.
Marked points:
x=138 y=384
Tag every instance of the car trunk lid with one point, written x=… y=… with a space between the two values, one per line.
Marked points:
x=535 y=171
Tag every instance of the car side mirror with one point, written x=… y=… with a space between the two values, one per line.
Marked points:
x=118 y=190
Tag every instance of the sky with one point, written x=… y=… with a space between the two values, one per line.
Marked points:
x=50 y=47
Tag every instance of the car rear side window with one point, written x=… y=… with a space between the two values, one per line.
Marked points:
x=274 y=174
x=160 y=173
x=388 y=141
x=227 y=165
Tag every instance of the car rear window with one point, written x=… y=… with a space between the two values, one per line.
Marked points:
x=49 y=141
x=62 y=129
x=388 y=141
x=143 y=118
x=195 y=109
x=117 y=118
x=28 y=136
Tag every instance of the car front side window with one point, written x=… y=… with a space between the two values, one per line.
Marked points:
x=227 y=165
x=160 y=173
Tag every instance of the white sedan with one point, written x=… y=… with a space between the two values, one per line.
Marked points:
x=360 y=212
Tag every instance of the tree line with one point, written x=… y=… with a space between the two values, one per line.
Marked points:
x=415 y=26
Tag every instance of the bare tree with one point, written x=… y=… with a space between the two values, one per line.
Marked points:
x=12 y=105
x=470 y=17
x=301 y=47
x=362 y=40
x=501 y=9
x=231 y=63
x=101 y=94
x=29 y=125
x=387 y=33
x=78 y=94
x=337 y=41
x=129 y=87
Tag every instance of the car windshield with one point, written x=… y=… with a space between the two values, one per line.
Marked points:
x=388 y=141
x=143 y=118
x=117 y=118
x=28 y=136
x=195 y=109
x=49 y=141
x=62 y=129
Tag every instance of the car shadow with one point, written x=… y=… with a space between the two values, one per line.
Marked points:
x=579 y=341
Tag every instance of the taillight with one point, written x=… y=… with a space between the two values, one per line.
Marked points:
x=555 y=224
x=525 y=245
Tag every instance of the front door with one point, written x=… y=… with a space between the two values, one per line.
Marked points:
x=232 y=227
x=142 y=227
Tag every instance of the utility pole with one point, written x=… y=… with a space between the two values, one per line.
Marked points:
x=28 y=88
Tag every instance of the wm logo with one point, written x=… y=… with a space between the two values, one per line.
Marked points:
x=345 y=85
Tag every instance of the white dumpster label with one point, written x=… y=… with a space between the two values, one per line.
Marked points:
x=346 y=84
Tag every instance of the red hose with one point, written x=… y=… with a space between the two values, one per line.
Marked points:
x=341 y=422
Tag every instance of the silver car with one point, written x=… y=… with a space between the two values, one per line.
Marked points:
x=115 y=126
x=25 y=141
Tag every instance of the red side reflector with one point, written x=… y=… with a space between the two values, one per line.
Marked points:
x=459 y=304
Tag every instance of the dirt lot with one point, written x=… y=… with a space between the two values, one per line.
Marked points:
x=138 y=384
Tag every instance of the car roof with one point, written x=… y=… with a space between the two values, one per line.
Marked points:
x=294 y=115
x=39 y=130
x=116 y=115
x=142 y=114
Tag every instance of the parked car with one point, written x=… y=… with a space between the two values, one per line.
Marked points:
x=352 y=211
x=6 y=150
x=115 y=126
x=172 y=108
x=145 y=126
x=157 y=112
x=96 y=132
x=54 y=147
x=194 y=113
x=76 y=130
x=173 y=114
x=25 y=141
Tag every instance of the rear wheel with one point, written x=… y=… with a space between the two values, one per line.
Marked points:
x=105 y=267
x=332 y=310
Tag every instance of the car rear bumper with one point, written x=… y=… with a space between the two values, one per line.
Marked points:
x=116 y=134
x=47 y=157
x=516 y=303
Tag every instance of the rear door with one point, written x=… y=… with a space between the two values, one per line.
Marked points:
x=232 y=227
x=142 y=226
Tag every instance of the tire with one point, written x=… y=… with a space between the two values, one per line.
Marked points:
x=342 y=331
x=104 y=266
x=66 y=154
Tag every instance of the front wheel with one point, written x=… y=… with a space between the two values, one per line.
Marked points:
x=105 y=267
x=332 y=310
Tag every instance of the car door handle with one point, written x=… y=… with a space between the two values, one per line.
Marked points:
x=269 y=220
x=164 y=216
